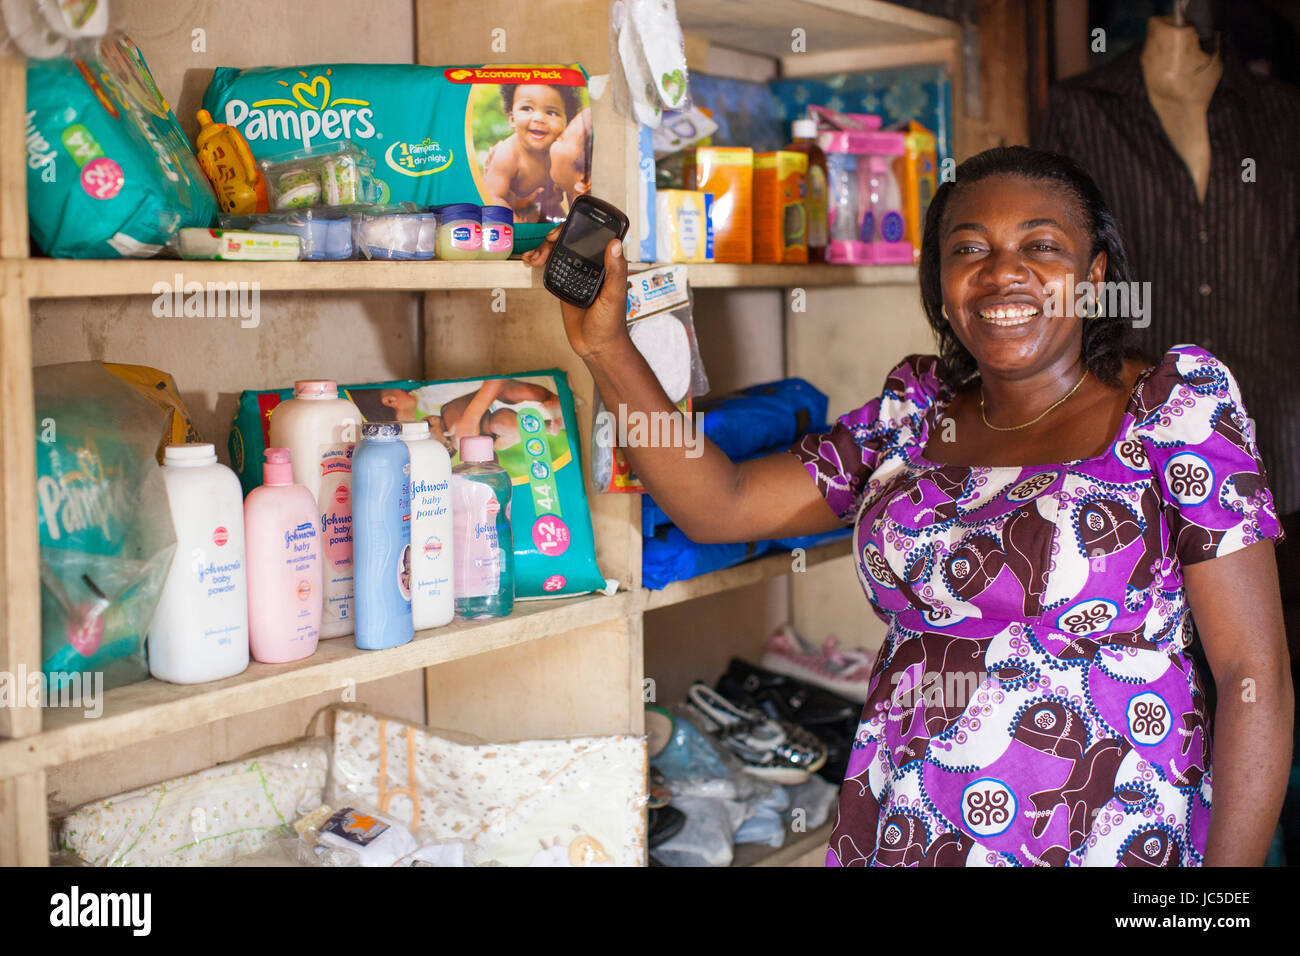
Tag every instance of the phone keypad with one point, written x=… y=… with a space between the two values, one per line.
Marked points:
x=577 y=276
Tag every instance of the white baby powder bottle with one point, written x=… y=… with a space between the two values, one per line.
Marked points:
x=433 y=601
x=200 y=629
x=320 y=429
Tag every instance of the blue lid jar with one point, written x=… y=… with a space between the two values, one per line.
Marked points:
x=499 y=214
x=459 y=210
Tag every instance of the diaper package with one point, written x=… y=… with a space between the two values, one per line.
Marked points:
x=531 y=419
x=106 y=534
x=109 y=172
x=517 y=136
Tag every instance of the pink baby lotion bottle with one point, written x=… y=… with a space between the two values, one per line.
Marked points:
x=285 y=587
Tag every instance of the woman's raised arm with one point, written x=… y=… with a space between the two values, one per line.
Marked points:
x=708 y=496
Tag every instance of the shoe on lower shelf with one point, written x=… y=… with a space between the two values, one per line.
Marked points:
x=846 y=672
x=784 y=697
x=771 y=749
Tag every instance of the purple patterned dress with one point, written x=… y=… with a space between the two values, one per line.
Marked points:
x=1032 y=703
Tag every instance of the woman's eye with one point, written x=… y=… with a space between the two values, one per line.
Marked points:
x=1044 y=247
x=966 y=250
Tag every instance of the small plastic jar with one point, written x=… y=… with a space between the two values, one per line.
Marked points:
x=498 y=232
x=460 y=231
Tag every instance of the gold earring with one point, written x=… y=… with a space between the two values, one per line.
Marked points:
x=943 y=310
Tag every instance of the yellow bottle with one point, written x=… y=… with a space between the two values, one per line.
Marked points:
x=228 y=163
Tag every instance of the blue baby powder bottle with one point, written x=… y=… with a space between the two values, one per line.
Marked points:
x=381 y=537
x=483 y=557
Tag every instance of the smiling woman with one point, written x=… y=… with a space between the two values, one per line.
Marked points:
x=1037 y=515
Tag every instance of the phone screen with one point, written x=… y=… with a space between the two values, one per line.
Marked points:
x=586 y=237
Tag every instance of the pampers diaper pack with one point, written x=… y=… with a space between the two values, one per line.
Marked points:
x=109 y=172
x=535 y=439
x=517 y=136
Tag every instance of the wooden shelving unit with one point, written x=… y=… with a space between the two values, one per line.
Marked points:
x=567 y=667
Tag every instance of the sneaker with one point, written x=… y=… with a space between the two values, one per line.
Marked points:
x=784 y=697
x=844 y=672
x=771 y=749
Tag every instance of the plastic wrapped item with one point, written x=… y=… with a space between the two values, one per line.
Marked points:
x=765 y=819
x=361 y=836
x=865 y=201
x=326 y=174
x=811 y=802
x=437 y=134
x=568 y=802
x=106 y=533
x=323 y=233
x=660 y=322
x=160 y=389
x=235 y=244
x=42 y=29
x=648 y=39
x=210 y=817
x=228 y=163
x=109 y=172
x=390 y=232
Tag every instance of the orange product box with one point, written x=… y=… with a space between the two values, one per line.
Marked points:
x=917 y=174
x=780 y=226
x=728 y=173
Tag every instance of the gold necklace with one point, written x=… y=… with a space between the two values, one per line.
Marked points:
x=1016 y=428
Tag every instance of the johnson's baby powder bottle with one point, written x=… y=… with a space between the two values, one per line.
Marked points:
x=484 y=553
x=382 y=537
x=320 y=430
x=433 y=603
x=200 y=628
x=284 y=565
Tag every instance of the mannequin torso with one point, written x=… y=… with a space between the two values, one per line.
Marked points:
x=1180 y=79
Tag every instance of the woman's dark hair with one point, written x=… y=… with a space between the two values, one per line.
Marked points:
x=1105 y=339
x=567 y=94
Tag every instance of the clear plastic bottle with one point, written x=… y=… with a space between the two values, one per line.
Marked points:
x=483 y=550
x=845 y=212
x=381 y=537
x=816 y=211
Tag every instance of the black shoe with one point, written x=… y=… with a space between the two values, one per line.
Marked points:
x=785 y=698
x=664 y=824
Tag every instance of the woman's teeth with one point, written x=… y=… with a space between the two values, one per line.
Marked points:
x=1008 y=315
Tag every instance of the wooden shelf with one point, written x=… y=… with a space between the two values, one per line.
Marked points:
x=93 y=278
x=764 y=27
x=83 y=278
x=150 y=708
x=742 y=575
x=757 y=275
x=796 y=847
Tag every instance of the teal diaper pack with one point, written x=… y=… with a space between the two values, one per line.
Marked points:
x=517 y=136
x=109 y=171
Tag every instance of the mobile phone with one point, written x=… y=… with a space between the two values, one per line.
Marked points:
x=576 y=270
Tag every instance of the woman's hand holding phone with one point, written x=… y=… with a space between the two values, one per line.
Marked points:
x=600 y=330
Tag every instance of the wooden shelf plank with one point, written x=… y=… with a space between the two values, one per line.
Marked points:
x=796 y=846
x=742 y=575
x=94 y=278
x=83 y=278
x=149 y=709
x=755 y=275
x=765 y=27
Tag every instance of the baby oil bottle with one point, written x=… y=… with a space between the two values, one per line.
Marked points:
x=483 y=553
x=284 y=565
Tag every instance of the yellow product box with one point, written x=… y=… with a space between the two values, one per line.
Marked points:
x=728 y=173
x=917 y=174
x=780 y=225
x=160 y=388
x=685 y=233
